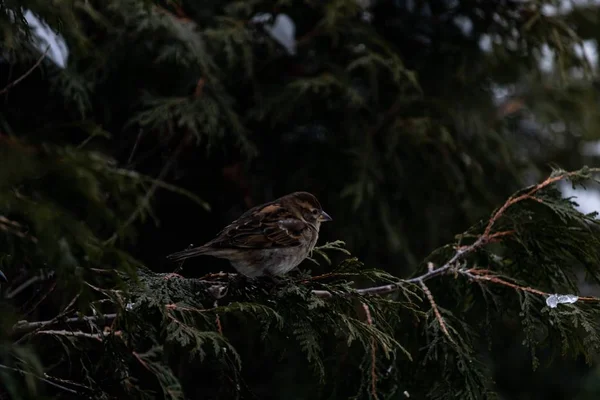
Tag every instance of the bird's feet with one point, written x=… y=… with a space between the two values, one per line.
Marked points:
x=236 y=282
x=275 y=282
x=172 y=275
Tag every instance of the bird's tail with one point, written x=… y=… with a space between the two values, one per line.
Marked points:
x=185 y=254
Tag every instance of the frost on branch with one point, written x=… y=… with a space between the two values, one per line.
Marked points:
x=554 y=300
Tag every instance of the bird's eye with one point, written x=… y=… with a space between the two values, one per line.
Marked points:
x=315 y=211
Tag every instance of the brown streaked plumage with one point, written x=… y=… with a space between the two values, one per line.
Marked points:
x=270 y=239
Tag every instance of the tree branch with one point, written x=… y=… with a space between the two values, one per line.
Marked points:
x=24 y=326
x=462 y=251
x=96 y=336
x=43 y=379
x=451 y=266
x=26 y=74
x=475 y=274
x=373 y=354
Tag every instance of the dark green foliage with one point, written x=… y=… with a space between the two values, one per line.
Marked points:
x=169 y=329
x=172 y=117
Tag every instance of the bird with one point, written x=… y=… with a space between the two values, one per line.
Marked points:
x=270 y=239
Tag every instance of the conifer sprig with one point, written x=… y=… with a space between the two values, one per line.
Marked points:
x=185 y=313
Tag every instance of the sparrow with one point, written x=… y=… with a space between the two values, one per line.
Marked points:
x=270 y=239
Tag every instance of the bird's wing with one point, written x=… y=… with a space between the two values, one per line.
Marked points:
x=268 y=226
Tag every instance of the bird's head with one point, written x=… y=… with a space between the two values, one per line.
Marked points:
x=306 y=206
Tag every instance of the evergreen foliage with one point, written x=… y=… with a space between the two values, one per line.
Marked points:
x=170 y=118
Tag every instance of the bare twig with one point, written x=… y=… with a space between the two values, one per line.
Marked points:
x=135 y=146
x=43 y=379
x=373 y=354
x=96 y=336
x=15 y=228
x=436 y=310
x=26 y=74
x=475 y=274
x=218 y=275
x=218 y=324
x=34 y=279
x=392 y=287
x=10 y=222
x=54 y=320
x=148 y=196
x=24 y=327
x=41 y=300
x=141 y=361
x=68 y=382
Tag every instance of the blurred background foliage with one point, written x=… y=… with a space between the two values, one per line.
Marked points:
x=130 y=129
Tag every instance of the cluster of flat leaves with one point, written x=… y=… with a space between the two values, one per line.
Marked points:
x=152 y=335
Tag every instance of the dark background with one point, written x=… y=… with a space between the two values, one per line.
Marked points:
x=389 y=112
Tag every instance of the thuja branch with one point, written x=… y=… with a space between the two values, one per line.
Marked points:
x=215 y=285
x=485 y=238
x=475 y=274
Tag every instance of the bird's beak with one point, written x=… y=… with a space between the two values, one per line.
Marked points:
x=3 y=277
x=324 y=217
